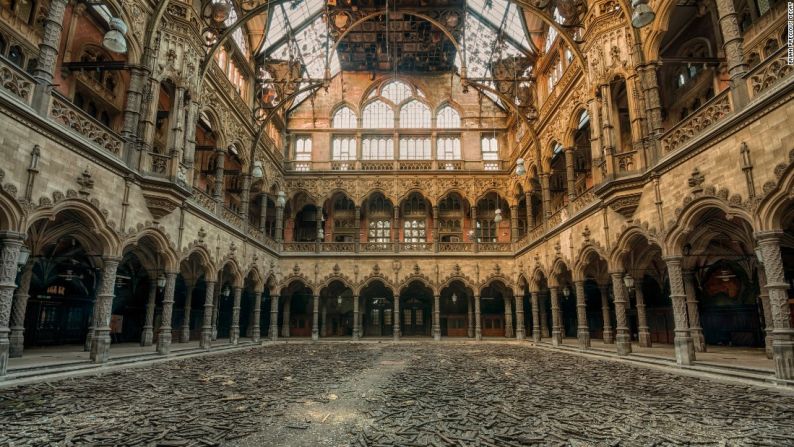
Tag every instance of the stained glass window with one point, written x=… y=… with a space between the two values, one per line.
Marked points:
x=448 y=118
x=415 y=115
x=377 y=115
x=344 y=118
x=396 y=91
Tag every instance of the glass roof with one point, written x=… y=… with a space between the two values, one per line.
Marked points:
x=503 y=16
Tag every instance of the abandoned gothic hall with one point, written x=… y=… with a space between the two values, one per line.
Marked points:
x=589 y=176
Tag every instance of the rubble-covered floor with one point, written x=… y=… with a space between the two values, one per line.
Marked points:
x=383 y=394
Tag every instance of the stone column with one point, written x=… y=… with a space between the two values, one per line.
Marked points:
x=100 y=343
x=476 y=236
x=357 y=226
x=513 y=223
x=508 y=317
x=263 y=213
x=206 y=326
x=695 y=331
x=535 y=317
x=164 y=334
x=147 y=335
x=285 y=318
x=316 y=317
x=622 y=336
x=437 y=317
x=273 y=329
x=530 y=217
x=324 y=320
x=396 y=318
x=777 y=288
x=582 y=329
x=544 y=318
x=132 y=107
x=255 y=329
x=477 y=319
x=48 y=55
x=644 y=332
x=216 y=310
x=9 y=255
x=765 y=306
x=520 y=331
x=606 y=315
x=652 y=99
x=279 y=222
x=570 y=174
x=684 y=349
x=220 y=157
x=245 y=198
x=436 y=227
x=18 y=311
x=470 y=312
x=356 y=318
x=185 y=334
x=556 y=318
x=733 y=42
x=396 y=229
x=234 y=332
x=544 y=185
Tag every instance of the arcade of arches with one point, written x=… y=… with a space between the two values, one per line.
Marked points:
x=572 y=180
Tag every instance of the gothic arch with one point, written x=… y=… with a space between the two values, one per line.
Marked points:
x=457 y=278
x=102 y=234
x=256 y=275
x=692 y=212
x=158 y=242
x=336 y=277
x=538 y=276
x=417 y=278
x=624 y=244
x=584 y=257
x=235 y=270
x=497 y=278
x=11 y=214
x=772 y=211
x=573 y=124
x=203 y=253
x=296 y=279
x=558 y=267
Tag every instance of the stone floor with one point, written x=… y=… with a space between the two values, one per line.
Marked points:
x=383 y=394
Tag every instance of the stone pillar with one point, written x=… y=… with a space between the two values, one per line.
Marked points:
x=324 y=320
x=437 y=317
x=147 y=335
x=606 y=315
x=356 y=318
x=777 y=288
x=556 y=318
x=582 y=329
x=9 y=255
x=684 y=349
x=733 y=42
x=279 y=222
x=644 y=332
x=477 y=319
x=273 y=329
x=544 y=185
x=765 y=306
x=17 y=338
x=476 y=236
x=436 y=226
x=285 y=318
x=185 y=333
x=622 y=336
x=245 y=198
x=396 y=318
x=508 y=317
x=514 y=223
x=357 y=226
x=695 y=331
x=652 y=99
x=396 y=229
x=234 y=332
x=570 y=174
x=530 y=217
x=100 y=343
x=256 y=331
x=220 y=157
x=544 y=318
x=316 y=317
x=164 y=334
x=520 y=331
x=132 y=107
x=48 y=55
x=206 y=326
x=470 y=312
x=216 y=310
x=535 y=317
x=263 y=213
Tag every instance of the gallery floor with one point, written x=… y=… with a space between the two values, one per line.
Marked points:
x=412 y=393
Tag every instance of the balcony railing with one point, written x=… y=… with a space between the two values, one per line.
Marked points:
x=16 y=81
x=709 y=113
x=769 y=73
x=391 y=247
x=376 y=247
x=416 y=247
x=455 y=247
x=204 y=200
x=338 y=247
x=299 y=247
x=497 y=247
x=394 y=165
x=70 y=116
x=159 y=164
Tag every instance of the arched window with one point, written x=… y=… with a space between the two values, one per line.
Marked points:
x=344 y=118
x=415 y=148
x=380 y=231
x=415 y=115
x=396 y=91
x=378 y=114
x=448 y=148
x=414 y=231
x=448 y=118
x=377 y=148
x=16 y=56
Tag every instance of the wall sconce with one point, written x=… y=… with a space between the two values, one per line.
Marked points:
x=520 y=169
x=23 y=256
x=497 y=216
x=454 y=298
x=257 y=172
x=566 y=291
x=226 y=291
x=160 y=281
x=282 y=199
x=339 y=299
x=628 y=281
